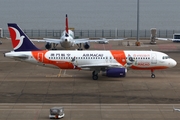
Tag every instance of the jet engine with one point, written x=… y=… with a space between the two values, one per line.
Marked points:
x=48 y=46
x=86 y=45
x=115 y=72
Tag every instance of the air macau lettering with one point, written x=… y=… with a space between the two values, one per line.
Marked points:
x=94 y=55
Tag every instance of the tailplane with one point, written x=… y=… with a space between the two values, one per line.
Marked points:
x=19 y=39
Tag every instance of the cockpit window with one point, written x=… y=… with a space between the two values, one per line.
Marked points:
x=165 y=57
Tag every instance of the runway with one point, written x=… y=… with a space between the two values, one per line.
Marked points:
x=28 y=91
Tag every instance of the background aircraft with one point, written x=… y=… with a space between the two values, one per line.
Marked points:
x=176 y=109
x=176 y=37
x=67 y=40
x=112 y=63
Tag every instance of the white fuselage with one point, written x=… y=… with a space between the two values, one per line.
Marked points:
x=142 y=60
x=67 y=41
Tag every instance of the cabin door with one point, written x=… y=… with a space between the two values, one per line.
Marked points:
x=40 y=57
x=153 y=58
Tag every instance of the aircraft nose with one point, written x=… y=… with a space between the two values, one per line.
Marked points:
x=173 y=63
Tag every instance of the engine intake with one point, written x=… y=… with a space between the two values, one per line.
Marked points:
x=48 y=46
x=115 y=72
x=86 y=45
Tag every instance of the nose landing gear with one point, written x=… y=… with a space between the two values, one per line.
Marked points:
x=152 y=74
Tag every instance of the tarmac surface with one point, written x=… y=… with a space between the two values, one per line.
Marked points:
x=28 y=91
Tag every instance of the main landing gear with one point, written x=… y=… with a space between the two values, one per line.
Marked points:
x=152 y=74
x=79 y=46
x=95 y=75
x=54 y=46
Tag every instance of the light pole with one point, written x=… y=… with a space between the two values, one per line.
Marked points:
x=137 y=43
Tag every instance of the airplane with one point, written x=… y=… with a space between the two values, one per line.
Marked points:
x=111 y=63
x=67 y=40
x=176 y=109
x=153 y=38
x=176 y=38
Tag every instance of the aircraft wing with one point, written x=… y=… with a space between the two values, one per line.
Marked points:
x=102 y=65
x=166 y=39
x=49 y=40
x=103 y=40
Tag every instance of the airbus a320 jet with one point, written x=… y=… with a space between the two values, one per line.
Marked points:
x=112 y=63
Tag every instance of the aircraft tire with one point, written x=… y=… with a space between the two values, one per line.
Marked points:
x=95 y=77
x=153 y=76
x=80 y=49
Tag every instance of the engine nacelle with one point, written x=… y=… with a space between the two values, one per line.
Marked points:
x=48 y=46
x=115 y=72
x=86 y=45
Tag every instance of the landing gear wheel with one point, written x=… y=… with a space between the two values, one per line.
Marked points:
x=79 y=45
x=80 y=49
x=54 y=46
x=153 y=76
x=95 y=77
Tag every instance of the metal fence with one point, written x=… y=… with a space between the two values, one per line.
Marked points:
x=96 y=33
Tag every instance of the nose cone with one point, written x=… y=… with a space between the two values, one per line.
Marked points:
x=5 y=54
x=172 y=63
x=8 y=54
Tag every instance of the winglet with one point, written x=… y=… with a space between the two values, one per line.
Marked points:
x=19 y=39
x=67 y=24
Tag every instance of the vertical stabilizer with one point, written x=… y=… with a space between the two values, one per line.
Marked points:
x=67 y=24
x=19 y=39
